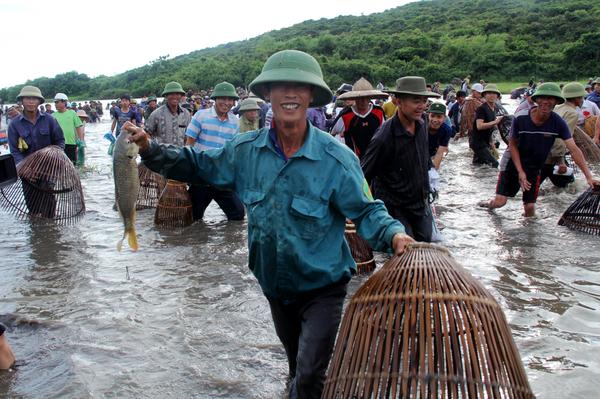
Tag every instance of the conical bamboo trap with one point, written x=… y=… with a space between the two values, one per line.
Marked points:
x=48 y=187
x=590 y=150
x=152 y=185
x=360 y=249
x=423 y=327
x=174 y=207
x=584 y=213
x=589 y=126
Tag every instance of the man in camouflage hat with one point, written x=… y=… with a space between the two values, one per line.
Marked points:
x=532 y=135
x=299 y=185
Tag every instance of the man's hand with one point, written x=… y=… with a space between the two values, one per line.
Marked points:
x=499 y=119
x=525 y=185
x=138 y=136
x=594 y=183
x=400 y=242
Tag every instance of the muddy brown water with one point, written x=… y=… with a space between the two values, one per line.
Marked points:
x=191 y=321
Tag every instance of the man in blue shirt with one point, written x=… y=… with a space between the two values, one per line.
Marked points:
x=594 y=96
x=532 y=135
x=299 y=184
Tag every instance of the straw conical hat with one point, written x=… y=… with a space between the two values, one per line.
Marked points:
x=361 y=89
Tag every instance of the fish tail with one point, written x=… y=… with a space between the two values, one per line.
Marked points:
x=132 y=239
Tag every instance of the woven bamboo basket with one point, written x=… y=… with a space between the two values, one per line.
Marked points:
x=584 y=213
x=423 y=327
x=174 y=207
x=48 y=187
x=589 y=126
x=152 y=185
x=590 y=150
x=360 y=249
x=505 y=124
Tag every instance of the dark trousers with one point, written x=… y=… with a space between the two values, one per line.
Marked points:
x=39 y=199
x=71 y=151
x=557 y=180
x=482 y=155
x=417 y=223
x=307 y=329
x=228 y=201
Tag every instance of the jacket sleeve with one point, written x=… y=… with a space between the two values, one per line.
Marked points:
x=13 y=137
x=215 y=167
x=353 y=199
x=378 y=153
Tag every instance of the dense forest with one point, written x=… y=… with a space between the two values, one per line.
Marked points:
x=494 y=40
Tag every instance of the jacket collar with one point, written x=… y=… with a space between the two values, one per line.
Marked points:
x=311 y=149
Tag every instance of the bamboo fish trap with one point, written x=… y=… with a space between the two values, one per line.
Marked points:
x=423 y=327
x=360 y=249
x=152 y=185
x=590 y=150
x=174 y=207
x=48 y=187
x=584 y=213
x=589 y=126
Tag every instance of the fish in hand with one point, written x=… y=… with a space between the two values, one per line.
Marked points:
x=127 y=185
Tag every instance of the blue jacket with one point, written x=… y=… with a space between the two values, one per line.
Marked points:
x=44 y=132
x=594 y=97
x=296 y=208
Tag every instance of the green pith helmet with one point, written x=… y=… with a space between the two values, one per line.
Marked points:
x=491 y=88
x=224 y=89
x=437 y=108
x=31 y=91
x=550 y=89
x=574 y=90
x=249 y=104
x=150 y=99
x=172 y=87
x=293 y=66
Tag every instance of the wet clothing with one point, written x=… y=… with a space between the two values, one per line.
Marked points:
x=356 y=130
x=480 y=140
x=131 y=115
x=307 y=328
x=69 y=122
x=166 y=127
x=397 y=165
x=296 y=208
x=44 y=132
x=439 y=138
x=534 y=144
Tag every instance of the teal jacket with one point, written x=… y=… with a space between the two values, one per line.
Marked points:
x=296 y=209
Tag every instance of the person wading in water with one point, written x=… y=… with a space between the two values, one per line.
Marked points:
x=299 y=185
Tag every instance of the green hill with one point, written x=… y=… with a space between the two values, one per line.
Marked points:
x=439 y=39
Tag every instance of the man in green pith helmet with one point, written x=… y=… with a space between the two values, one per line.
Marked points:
x=249 y=118
x=167 y=123
x=531 y=137
x=299 y=185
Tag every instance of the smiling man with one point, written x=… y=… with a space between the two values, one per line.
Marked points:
x=299 y=185
x=210 y=129
x=533 y=133
x=397 y=161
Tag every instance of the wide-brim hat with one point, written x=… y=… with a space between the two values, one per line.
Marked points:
x=491 y=88
x=414 y=85
x=172 y=87
x=249 y=104
x=362 y=88
x=224 y=89
x=549 y=89
x=573 y=90
x=31 y=91
x=81 y=113
x=293 y=66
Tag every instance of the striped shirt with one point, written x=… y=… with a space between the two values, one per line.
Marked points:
x=209 y=131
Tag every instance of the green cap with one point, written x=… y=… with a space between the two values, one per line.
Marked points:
x=549 y=89
x=172 y=87
x=224 y=89
x=249 y=104
x=151 y=98
x=293 y=66
x=437 y=108
x=30 y=91
x=491 y=88
x=573 y=90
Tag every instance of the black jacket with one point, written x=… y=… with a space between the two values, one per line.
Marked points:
x=396 y=165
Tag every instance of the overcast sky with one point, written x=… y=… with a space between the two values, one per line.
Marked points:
x=45 y=38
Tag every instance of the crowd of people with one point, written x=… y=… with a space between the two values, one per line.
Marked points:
x=300 y=160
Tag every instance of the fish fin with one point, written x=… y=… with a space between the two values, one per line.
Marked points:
x=132 y=240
